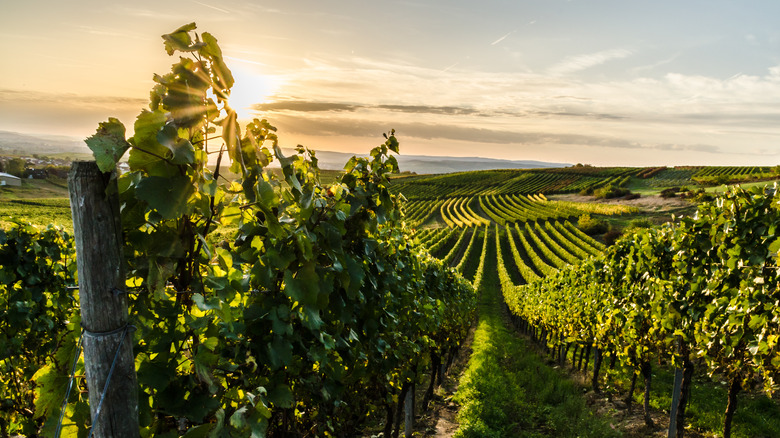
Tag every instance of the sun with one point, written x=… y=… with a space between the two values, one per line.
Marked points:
x=251 y=88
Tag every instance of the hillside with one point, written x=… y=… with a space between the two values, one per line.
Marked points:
x=20 y=144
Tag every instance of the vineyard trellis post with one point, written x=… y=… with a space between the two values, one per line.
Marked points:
x=409 y=411
x=108 y=353
x=678 y=378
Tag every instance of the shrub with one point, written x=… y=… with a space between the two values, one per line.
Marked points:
x=611 y=236
x=669 y=193
x=641 y=223
x=633 y=196
x=590 y=225
x=611 y=191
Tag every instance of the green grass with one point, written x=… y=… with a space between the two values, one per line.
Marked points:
x=36 y=188
x=722 y=188
x=508 y=391
x=756 y=416
x=40 y=211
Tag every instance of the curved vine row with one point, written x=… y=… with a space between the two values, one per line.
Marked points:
x=705 y=288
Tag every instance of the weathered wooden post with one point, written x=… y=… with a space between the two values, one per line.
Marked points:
x=678 y=378
x=409 y=412
x=108 y=347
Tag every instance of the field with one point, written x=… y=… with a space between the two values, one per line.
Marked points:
x=505 y=230
x=533 y=236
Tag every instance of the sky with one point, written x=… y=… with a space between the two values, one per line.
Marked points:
x=602 y=82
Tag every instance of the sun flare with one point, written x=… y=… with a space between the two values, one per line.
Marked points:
x=251 y=88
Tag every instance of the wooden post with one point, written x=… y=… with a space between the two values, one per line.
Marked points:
x=678 y=378
x=409 y=412
x=107 y=336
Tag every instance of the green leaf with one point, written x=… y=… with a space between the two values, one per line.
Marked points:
x=281 y=396
x=168 y=196
x=303 y=287
x=179 y=39
x=147 y=153
x=223 y=78
x=279 y=352
x=181 y=148
x=108 y=144
x=199 y=431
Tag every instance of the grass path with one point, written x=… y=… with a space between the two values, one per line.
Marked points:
x=508 y=391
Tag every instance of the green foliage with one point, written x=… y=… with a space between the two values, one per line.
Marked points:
x=37 y=211
x=38 y=323
x=16 y=167
x=510 y=181
x=707 y=284
x=610 y=191
x=507 y=391
x=108 y=144
x=592 y=225
x=308 y=316
x=312 y=315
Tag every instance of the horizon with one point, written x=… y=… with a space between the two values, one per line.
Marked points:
x=605 y=83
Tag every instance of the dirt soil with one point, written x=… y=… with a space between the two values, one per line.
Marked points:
x=658 y=209
x=653 y=203
x=440 y=420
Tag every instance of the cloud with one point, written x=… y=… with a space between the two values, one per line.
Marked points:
x=686 y=147
x=64 y=113
x=304 y=106
x=577 y=63
x=502 y=38
x=426 y=109
x=224 y=11
x=361 y=127
x=641 y=68
x=73 y=99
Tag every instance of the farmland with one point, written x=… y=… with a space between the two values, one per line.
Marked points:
x=536 y=244
x=503 y=235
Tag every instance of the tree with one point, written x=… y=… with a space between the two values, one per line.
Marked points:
x=15 y=167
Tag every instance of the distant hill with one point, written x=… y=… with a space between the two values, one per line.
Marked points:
x=15 y=143
x=432 y=164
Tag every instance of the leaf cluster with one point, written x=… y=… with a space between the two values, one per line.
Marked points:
x=38 y=322
x=705 y=287
x=312 y=315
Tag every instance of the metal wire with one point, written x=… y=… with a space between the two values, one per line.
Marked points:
x=124 y=331
x=70 y=384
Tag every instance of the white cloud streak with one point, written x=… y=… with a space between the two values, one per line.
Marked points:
x=578 y=63
x=224 y=11
x=502 y=38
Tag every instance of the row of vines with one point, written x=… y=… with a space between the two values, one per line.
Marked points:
x=317 y=312
x=701 y=292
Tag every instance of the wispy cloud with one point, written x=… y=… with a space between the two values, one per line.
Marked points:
x=450 y=67
x=502 y=38
x=8 y=95
x=577 y=63
x=224 y=11
x=304 y=106
x=457 y=132
x=246 y=61
x=308 y=106
x=642 y=68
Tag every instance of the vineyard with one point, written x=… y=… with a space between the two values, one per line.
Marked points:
x=699 y=294
x=276 y=304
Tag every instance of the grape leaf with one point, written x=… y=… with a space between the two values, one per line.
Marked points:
x=168 y=196
x=108 y=144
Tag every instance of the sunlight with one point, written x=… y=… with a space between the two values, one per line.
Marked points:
x=251 y=88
